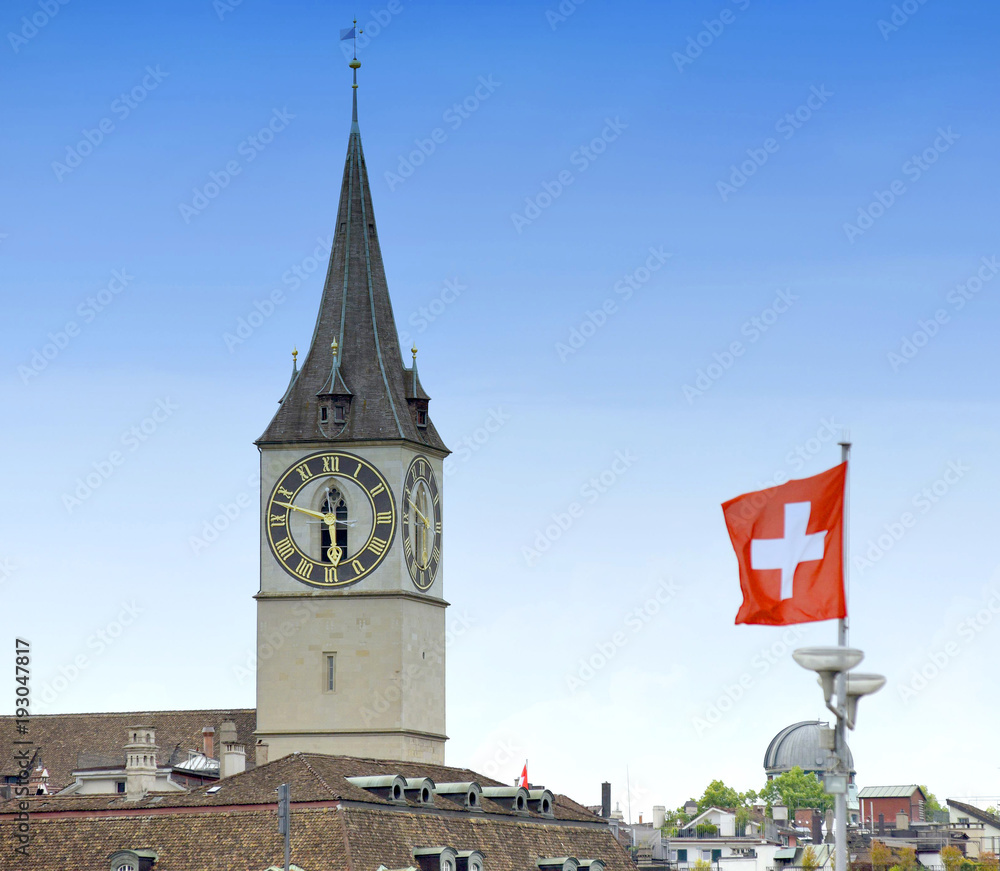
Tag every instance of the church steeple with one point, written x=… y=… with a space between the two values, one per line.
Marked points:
x=365 y=393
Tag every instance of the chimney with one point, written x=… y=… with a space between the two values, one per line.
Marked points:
x=902 y=822
x=779 y=813
x=829 y=827
x=606 y=800
x=140 y=762
x=261 y=754
x=817 y=827
x=208 y=741
x=234 y=759
x=881 y=824
x=659 y=816
x=640 y=819
x=227 y=733
x=38 y=783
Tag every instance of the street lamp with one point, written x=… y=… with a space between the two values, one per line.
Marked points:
x=833 y=665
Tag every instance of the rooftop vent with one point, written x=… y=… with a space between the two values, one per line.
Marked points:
x=465 y=794
x=137 y=860
x=391 y=787
x=470 y=860
x=591 y=865
x=562 y=863
x=512 y=798
x=543 y=802
x=419 y=790
x=436 y=858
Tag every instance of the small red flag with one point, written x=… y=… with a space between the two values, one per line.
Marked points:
x=789 y=542
x=523 y=779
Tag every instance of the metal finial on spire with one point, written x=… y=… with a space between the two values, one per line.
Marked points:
x=295 y=357
x=352 y=33
x=413 y=350
x=335 y=347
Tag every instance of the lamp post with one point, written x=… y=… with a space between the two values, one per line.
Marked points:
x=833 y=665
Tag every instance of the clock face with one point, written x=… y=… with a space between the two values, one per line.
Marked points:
x=330 y=519
x=421 y=523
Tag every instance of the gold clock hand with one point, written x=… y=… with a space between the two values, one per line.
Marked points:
x=303 y=510
x=419 y=512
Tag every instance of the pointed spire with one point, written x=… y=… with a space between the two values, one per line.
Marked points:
x=366 y=374
x=295 y=374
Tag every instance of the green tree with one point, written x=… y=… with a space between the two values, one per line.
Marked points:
x=717 y=794
x=952 y=858
x=907 y=859
x=931 y=806
x=796 y=789
x=882 y=856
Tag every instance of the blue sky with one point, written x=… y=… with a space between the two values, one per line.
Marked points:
x=98 y=255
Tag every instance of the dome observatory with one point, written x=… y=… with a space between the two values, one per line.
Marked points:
x=801 y=744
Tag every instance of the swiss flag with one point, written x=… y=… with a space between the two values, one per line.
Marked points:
x=523 y=779
x=789 y=542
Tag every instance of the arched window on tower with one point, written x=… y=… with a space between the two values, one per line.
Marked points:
x=334 y=504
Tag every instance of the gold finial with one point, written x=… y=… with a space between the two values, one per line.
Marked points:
x=295 y=356
x=334 y=346
x=413 y=350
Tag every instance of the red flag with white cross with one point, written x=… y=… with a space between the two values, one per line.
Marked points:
x=789 y=542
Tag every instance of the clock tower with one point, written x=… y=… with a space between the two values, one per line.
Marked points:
x=350 y=612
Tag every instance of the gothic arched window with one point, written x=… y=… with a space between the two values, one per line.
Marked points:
x=334 y=504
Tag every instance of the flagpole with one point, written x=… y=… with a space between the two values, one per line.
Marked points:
x=840 y=736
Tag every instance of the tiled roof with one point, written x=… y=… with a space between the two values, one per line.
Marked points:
x=97 y=740
x=335 y=825
x=355 y=309
x=975 y=813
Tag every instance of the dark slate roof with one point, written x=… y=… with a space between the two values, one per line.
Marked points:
x=335 y=825
x=975 y=813
x=356 y=311
x=64 y=741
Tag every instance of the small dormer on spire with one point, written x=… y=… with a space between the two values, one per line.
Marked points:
x=334 y=396
x=416 y=396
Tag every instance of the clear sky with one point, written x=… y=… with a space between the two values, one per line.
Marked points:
x=615 y=195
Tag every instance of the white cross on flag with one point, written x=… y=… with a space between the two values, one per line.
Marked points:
x=789 y=542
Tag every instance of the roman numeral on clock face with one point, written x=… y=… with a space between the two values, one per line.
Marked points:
x=378 y=546
x=304 y=471
x=304 y=569
x=278 y=520
x=331 y=464
x=383 y=517
x=284 y=548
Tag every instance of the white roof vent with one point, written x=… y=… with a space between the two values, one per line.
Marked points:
x=465 y=794
x=391 y=787
x=512 y=798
